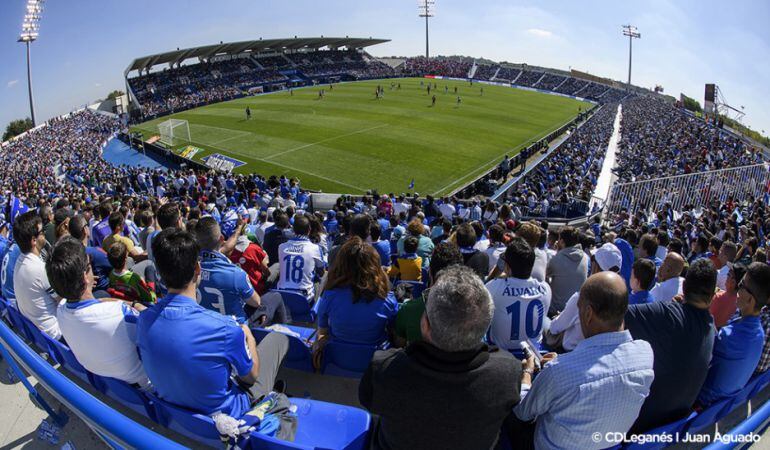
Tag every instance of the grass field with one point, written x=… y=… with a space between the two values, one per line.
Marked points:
x=350 y=142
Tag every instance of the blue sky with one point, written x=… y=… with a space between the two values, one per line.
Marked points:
x=85 y=45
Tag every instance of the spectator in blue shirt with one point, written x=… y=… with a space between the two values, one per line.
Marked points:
x=9 y=263
x=628 y=258
x=188 y=351
x=738 y=345
x=597 y=388
x=382 y=246
x=642 y=279
x=225 y=287
x=357 y=305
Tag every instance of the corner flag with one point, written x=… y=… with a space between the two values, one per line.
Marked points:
x=411 y=185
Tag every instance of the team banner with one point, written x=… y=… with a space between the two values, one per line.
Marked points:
x=221 y=162
x=190 y=151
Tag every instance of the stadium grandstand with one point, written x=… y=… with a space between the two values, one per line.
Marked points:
x=235 y=253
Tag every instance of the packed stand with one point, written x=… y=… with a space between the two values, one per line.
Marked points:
x=507 y=74
x=455 y=68
x=660 y=140
x=563 y=184
x=485 y=72
x=572 y=86
x=550 y=82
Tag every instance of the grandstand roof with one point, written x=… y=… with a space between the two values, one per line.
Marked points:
x=261 y=45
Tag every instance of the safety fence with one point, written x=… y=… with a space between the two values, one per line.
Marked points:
x=695 y=189
x=115 y=429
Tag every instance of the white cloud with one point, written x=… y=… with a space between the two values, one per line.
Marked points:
x=12 y=83
x=98 y=84
x=540 y=33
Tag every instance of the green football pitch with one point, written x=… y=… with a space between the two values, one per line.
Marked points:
x=351 y=142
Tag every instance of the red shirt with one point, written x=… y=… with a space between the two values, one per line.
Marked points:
x=722 y=307
x=250 y=260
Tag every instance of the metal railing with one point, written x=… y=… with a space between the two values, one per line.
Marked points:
x=117 y=430
x=696 y=189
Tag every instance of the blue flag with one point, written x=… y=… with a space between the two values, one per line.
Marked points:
x=17 y=207
x=411 y=185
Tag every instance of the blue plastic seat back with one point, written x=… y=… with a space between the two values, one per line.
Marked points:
x=195 y=426
x=18 y=322
x=345 y=359
x=670 y=429
x=711 y=415
x=127 y=395
x=298 y=307
x=762 y=381
x=41 y=340
x=71 y=363
x=330 y=426
x=299 y=356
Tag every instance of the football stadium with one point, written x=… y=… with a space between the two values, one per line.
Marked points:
x=303 y=243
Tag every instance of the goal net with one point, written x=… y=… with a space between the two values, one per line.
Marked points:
x=174 y=132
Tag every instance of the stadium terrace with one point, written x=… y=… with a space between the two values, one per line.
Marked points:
x=586 y=252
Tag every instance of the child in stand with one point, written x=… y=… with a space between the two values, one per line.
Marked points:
x=125 y=284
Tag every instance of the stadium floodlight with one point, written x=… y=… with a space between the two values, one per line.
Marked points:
x=632 y=33
x=30 y=29
x=427 y=9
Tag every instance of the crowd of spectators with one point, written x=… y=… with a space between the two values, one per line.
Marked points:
x=550 y=82
x=180 y=88
x=485 y=71
x=646 y=318
x=660 y=140
x=448 y=67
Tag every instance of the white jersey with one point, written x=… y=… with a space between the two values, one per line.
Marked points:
x=102 y=335
x=299 y=258
x=520 y=309
x=34 y=295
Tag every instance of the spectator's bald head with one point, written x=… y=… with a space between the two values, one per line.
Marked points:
x=602 y=303
x=672 y=266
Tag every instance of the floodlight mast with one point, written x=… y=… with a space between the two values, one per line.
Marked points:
x=632 y=33
x=29 y=32
x=427 y=9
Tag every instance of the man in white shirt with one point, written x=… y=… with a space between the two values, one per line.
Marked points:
x=496 y=246
x=671 y=282
x=34 y=296
x=727 y=253
x=446 y=208
x=606 y=258
x=299 y=259
x=101 y=334
x=521 y=302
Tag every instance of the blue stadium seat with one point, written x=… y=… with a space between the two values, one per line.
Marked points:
x=41 y=340
x=762 y=381
x=299 y=356
x=670 y=429
x=710 y=415
x=345 y=359
x=195 y=426
x=320 y=425
x=71 y=363
x=323 y=425
x=298 y=306
x=126 y=394
x=18 y=322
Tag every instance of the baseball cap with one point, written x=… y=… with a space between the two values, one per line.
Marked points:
x=608 y=256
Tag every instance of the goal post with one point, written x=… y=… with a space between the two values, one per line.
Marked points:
x=174 y=132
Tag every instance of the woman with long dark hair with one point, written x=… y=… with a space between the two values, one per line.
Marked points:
x=356 y=305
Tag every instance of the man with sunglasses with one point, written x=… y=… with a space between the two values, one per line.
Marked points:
x=35 y=298
x=738 y=345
